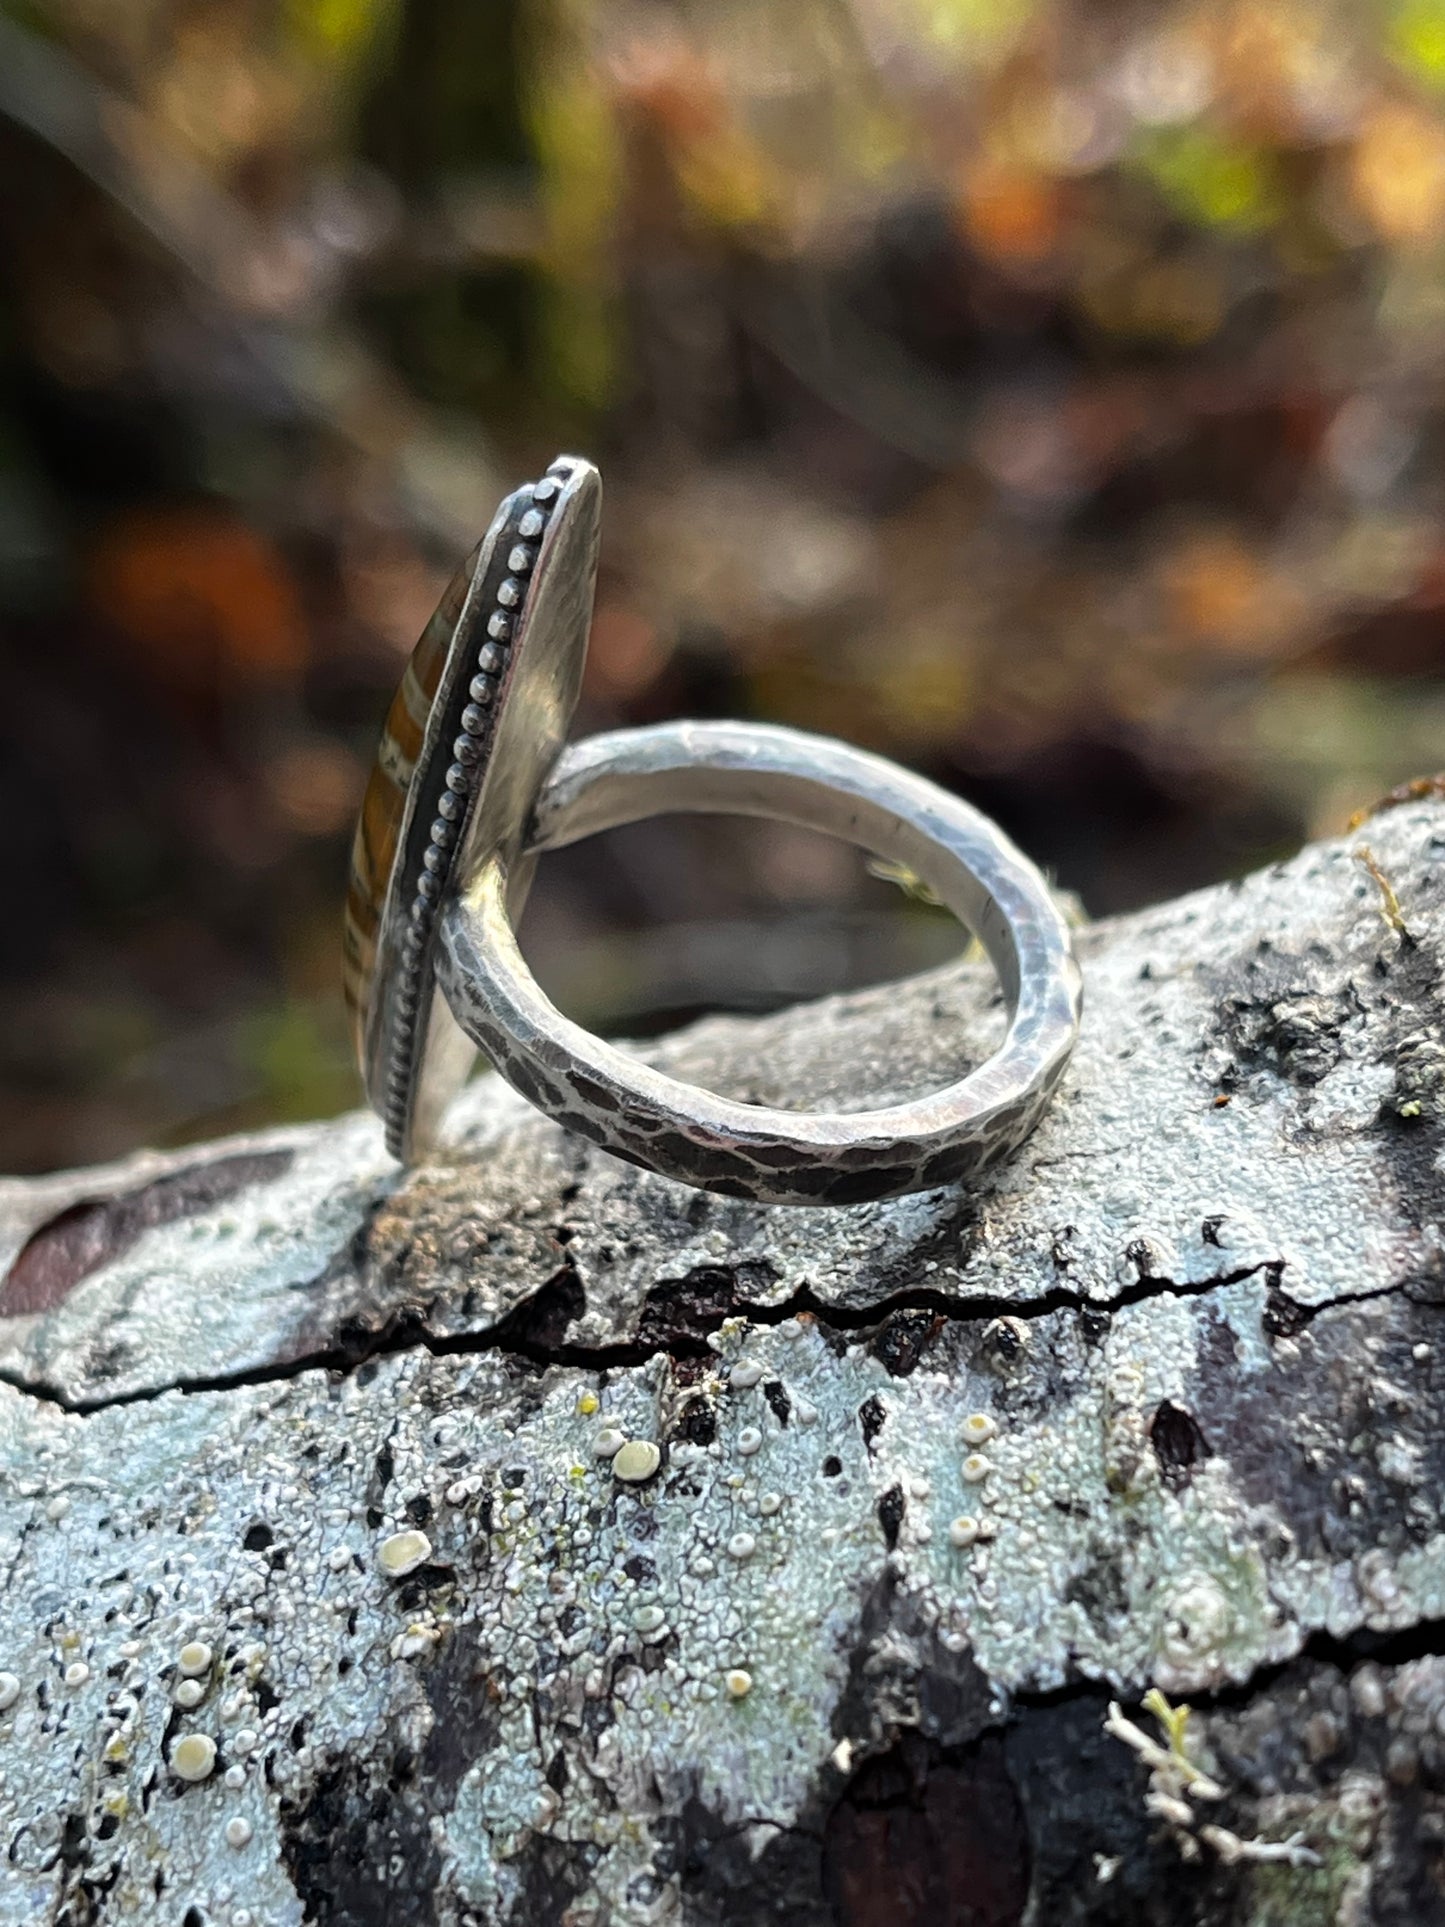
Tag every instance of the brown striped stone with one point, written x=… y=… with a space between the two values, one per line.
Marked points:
x=378 y=828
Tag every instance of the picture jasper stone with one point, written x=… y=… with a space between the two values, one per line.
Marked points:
x=378 y=828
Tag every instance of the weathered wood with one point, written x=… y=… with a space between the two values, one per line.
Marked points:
x=939 y=1478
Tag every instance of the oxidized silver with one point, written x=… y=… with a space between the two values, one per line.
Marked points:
x=745 y=1150
x=510 y=683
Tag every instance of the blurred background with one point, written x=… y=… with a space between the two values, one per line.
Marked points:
x=1049 y=393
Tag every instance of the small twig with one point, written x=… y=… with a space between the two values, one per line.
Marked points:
x=1418 y=790
x=1168 y=1806
x=1231 y=1849
x=908 y=881
x=1169 y=1762
x=1390 y=910
x=1172 y=1775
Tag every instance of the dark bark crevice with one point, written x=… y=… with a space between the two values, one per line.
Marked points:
x=526 y=1334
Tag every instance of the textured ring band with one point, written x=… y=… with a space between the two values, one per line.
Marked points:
x=744 y=1150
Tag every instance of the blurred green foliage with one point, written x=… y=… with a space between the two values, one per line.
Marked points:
x=1051 y=396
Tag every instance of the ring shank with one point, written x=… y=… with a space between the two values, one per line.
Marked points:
x=746 y=1150
x=595 y=790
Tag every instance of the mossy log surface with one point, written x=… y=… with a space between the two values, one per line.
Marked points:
x=1162 y=1405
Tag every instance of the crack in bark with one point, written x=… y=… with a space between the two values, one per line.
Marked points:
x=1302 y=1315
x=405 y=1334
x=1342 y=1653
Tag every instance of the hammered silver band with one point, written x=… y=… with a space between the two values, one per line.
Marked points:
x=744 y=1150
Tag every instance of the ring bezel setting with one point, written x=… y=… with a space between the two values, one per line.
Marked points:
x=496 y=678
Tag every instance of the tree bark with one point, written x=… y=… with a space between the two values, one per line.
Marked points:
x=1159 y=1406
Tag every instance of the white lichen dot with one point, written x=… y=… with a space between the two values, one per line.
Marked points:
x=402 y=1553
x=9 y=1691
x=609 y=1442
x=188 y=1693
x=739 y=1681
x=742 y=1545
x=978 y=1428
x=1376 y=1579
x=1367 y=1691
x=745 y=1374
x=770 y=1503
x=1198 y=1620
x=415 y=1641
x=648 y=1619
x=750 y=1440
x=964 y=1530
x=790 y=1328
x=235 y=1777
x=545 y=1808
x=194 y=1659
x=245 y=1741
x=238 y=1831
x=194 y=1757
x=636 y=1461
x=976 y=1468
x=76 y=1673
x=339 y=1558
x=58 y=1507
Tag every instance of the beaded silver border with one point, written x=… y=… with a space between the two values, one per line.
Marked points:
x=454 y=799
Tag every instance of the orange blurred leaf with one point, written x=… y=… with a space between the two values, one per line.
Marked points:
x=206 y=601
x=1399 y=173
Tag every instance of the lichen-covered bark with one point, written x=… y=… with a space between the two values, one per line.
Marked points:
x=938 y=1479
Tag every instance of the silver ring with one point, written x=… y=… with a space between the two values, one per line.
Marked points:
x=461 y=802
x=745 y=1150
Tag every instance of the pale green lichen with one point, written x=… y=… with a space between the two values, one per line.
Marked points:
x=608 y=1623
